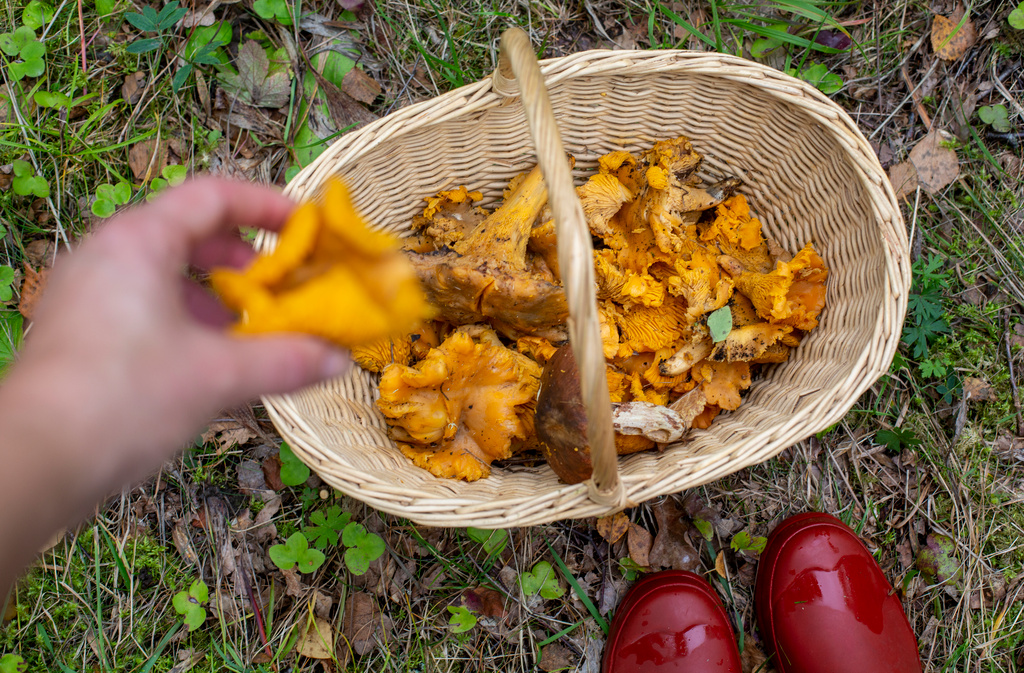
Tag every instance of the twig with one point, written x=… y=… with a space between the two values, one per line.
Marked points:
x=1013 y=376
x=916 y=95
x=81 y=32
x=259 y=615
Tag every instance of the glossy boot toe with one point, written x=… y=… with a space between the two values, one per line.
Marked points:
x=823 y=604
x=671 y=621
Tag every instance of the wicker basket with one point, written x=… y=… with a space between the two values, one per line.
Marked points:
x=807 y=172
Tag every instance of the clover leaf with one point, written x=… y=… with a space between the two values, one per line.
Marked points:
x=108 y=197
x=744 y=541
x=493 y=541
x=12 y=663
x=51 y=99
x=296 y=552
x=6 y=279
x=36 y=14
x=720 y=324
x=271 y=10
x=325 y=527
x=293 y=470
x=462 y=619
x=995 y=116
x=22 y=44
x=818 y=75
x=541 y=579
x=364 y=548
x=25 y=182
x=189 y=604
x=1016 y=17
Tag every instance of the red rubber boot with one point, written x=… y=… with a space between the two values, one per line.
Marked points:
x=671 y=621
x=823 y=604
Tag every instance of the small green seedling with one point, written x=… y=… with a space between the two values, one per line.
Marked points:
x=26 y=182
x=897 y=439
x=26 y=53
x=818 y=75
x=274 y=10
x=1016 y=17
x=109 y=197
x=296 y=552
x=996 y=117
x=541 y=579
x=325 y=527
x=6 y=283
x=12 y=663
x=364 y=548
x=925 y=320
x=173 y=176
x=36 y=14
x=150 y=21
x=462 y=619
x=189 y=604
x=493 y=541
x=293 y=470
x=744 y=541
x=720 y=324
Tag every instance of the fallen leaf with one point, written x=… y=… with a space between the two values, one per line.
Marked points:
x=360 y=86
x=937 y=558
x=317 y=639
x=263 y=530
x=12 y=610
x=978 y=390
x=485 y=601
x=255 y=84
x=613 y=527
x=198 y=17
x=361 y=626
x=183 y=543
x=612 y=589
x=147 y=159
x=640 y=542
x=903 y=177
x=994 y=590
x=322 y=604
x=250 y=477
x=556 y=657
x=720 y=564
x=293 y=584
x=1009 y=448
x=671 y=549
x=41 y=253
x=187 y=659
x=31 y=290
x=272 y=472
x=345 y=110
x=227 y=434
x=752 y=659
x=937 y=166
x=949 y=43
x=134 y=85
x=350 y=4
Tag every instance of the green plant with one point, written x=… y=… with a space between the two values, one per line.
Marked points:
x=10 y=337
x=109 y=197
x=493 y=541
x=924 y=306
x=12 y=663
x=296 y=552
x=204 y=47
x=36 y=14
x=744 y=541
x=293 y=470
x=897 y=439
x=6 y=282
x=630 y=569
x=818 y=75
x=363 y=549
x=995 y=116
x=150 y=21
x=274 y=10
x=462 y=619
x=172 y=176
x=542 y=580
x=189 y=604
x=325 y=527
x=720 y=324
x=1016 y=17
x=26 y=182
x=25 y=53
x=705 y=528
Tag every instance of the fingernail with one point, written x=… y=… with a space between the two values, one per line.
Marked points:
x=335 y=364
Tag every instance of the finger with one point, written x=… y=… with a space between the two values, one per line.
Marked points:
x=204 y=307
x=222 y=249
x=267 y=365
x=202 y=207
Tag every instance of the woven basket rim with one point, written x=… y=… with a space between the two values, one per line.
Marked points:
x=804 y=421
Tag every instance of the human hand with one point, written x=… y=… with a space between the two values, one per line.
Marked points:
x=127 y=359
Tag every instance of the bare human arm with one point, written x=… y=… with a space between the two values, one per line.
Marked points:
x=127 y=359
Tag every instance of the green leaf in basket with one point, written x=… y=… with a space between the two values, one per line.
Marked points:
x=293 y=470
x=720 y=324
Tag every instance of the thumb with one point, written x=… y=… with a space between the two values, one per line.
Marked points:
x=267 y=365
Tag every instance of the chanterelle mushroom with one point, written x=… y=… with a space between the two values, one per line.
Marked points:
x=459 y=409
x=486 y=277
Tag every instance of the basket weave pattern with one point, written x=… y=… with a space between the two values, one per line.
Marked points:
x=807 y=172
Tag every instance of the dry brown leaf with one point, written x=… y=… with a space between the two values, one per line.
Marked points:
x=670 y=548
x=41 y=253
x=613 y=527
x=752 y=659
x=12 y=610
x=937 y=166
x=317 y=639
x=293 y=585
x=949 y=43
x=272 y=472
x=31 y=290
x=360 y=86
x=640 y=542
x=250 y=477
x=227 y=434
x=485 y=601
x=978 y=390
x=183 y=543
x=263 y=530
x=720 y=564
x=903 y=177
x=147 y=159
x=556 y=657
x=361 y=625
x=134 y=85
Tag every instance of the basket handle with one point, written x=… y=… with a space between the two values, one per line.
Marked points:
x=575 y=258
